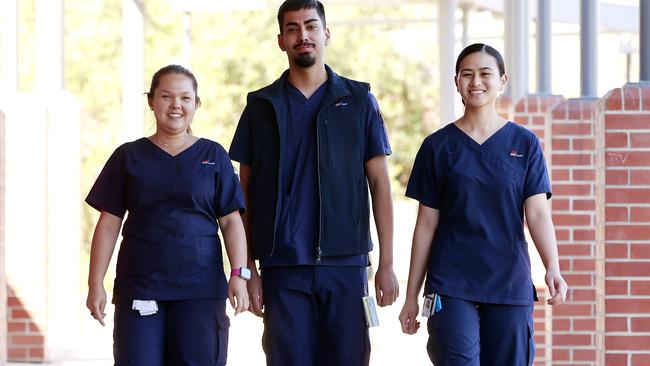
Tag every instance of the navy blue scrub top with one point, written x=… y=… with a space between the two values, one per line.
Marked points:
x=297 y=233
x=170 y=248
x=479 y=252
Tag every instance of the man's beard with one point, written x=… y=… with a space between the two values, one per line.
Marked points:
x=305 y=60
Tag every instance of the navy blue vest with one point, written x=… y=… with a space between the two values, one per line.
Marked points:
x=343 y=188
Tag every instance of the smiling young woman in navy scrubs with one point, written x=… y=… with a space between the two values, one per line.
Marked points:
x=178 y=191
x=475 y=179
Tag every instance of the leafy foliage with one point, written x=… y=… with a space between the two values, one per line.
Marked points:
x=234 y=52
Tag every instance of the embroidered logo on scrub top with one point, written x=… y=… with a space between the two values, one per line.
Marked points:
x=339 y=104
x=207 y=162
x=515 y=154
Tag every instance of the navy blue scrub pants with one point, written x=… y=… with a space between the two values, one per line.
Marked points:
x=313 y=315
x=188 y=332
x=471 y=334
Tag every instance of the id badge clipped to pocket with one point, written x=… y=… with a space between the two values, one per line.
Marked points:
x=431 y=305
x=370 y=311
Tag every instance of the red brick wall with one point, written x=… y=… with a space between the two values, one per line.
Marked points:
x=25 y=341
x=567 y=334
x=533 y=112
x=543 y=329
x=573 y=174
x=626 y=195
x=599 y=157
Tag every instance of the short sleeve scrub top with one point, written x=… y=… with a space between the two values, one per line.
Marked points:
x=170 y=248
x=479 y=251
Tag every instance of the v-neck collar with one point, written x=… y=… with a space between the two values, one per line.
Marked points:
x=167 y=155
x=298 y=96
x=487 y=141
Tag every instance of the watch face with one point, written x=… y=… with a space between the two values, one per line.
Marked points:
x=245 y=273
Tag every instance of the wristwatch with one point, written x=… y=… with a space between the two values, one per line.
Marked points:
x=242 y=272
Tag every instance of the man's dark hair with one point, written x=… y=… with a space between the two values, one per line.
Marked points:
x=295 y=5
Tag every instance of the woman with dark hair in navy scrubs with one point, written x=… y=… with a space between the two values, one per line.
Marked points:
x=170 y=288
x=475 y=179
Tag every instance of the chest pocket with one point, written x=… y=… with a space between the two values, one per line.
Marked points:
x=204 y=178
x=343 y=136
x=475 y=169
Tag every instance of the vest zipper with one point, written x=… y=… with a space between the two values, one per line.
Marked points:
x=319 y=253
x=279 y=189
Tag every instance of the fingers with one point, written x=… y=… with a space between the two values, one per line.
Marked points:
x=386 y=287
x=256 y=306
x=242 y=303
x=551 y=288
x=557 y=289
x=555 y=300
x=409 y=323
x=256 y=296
x=238 y=296
x=97 y=310
x=99 y=316
x=386 y=296
x=231 y=299
x=379 y=293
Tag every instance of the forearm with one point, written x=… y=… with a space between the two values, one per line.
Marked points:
x=423 y=234
x=102 y=247
x=234 y=237
x=540 y=227
x=244 y=176
x=382 y=207
x=420 y=252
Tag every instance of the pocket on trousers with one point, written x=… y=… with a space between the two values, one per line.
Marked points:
x=531 y=342
x=223 y=326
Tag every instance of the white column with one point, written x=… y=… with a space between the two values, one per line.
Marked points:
x=8 y=83
x=49 y=45
x=516 y=52
x=447 y=57
x=588 y=48
x=63 y=157
x=544 y=36
x=9 y=44
x=3 y=279
x=467 y=11
x=644 y=40
x=132 y=70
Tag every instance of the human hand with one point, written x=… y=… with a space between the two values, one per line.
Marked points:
x=255 y=291
x=386 y=286
x=96 y=302
x=557 y=287
x=237 y=294
x=408 y=317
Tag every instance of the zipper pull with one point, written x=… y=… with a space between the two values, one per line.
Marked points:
x=318 y=254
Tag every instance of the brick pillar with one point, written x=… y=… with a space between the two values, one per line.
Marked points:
x=3 y=280
x=42 y=225
x=534 y=113
x=625 y=230
x=573 y=161
x=25 y=228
